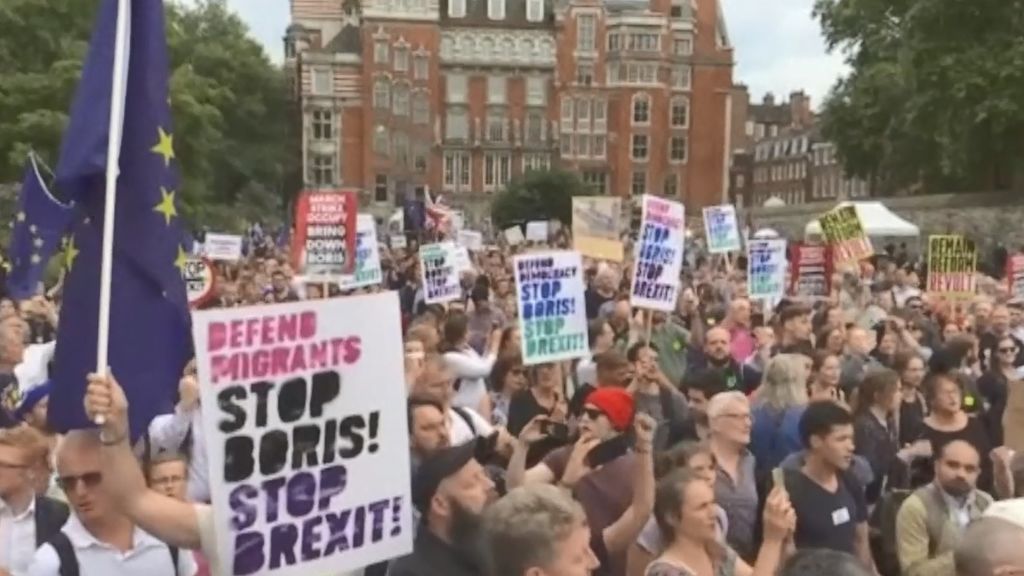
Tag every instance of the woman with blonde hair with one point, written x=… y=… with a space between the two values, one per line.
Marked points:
x=777 y=407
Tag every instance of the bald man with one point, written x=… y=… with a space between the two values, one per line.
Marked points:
x=717 y=355
x=991 y=546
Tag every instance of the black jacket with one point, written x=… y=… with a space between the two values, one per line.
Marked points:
x=433 y=557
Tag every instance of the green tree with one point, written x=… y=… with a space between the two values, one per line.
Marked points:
x=539 y=195
x=935 y=95
x=231 y=107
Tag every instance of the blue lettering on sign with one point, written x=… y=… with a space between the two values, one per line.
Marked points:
x=544 y=307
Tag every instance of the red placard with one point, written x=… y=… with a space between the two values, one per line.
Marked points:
x=811 y=266
x=325 y=232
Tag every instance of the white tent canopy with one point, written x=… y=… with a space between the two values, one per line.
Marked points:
x=877 y=220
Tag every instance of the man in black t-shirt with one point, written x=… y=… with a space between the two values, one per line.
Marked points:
x=829 y=501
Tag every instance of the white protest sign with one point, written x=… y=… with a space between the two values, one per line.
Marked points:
x=721 y=229
x=440 y=266
x=552 y=308
x=471 y=239
x=766 y=268
x=367 y=271
x=305 y=429
x=199 y=280
x=658 y=255
x=398 y=241
x=537 y=231
x=463 y=263
x=514 y=235
x=222 y=246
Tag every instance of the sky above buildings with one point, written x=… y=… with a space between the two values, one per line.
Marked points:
x=778 y=44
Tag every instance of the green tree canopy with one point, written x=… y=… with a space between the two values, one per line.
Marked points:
x=935 y=95
x=539 y=195
x=231 y=107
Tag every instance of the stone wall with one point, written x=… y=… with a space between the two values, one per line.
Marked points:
x=988 y=218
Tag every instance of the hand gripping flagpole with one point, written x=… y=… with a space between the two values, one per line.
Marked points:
x=119 y=80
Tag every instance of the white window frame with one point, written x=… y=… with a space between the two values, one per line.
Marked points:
x=381 y=140
x=599 y=110
x=599 y=146
x=402 y=58
x=586 y=42
x=534 y=10
x=381 y=51
x=420 y=107
x=678 y=100
x=633 y=182
x=421 y=66
x=382 y=94
x=400 y=100
x=496 y=9
x=322 y=81
x=585 y=73
x=536 y=91
x=567 y=114
x=638 y=99
x=534 y=119
x=641 y=141
x=583 y=114
x=497 y=90
x=456 y=88
x=673 y=178
x=496 y=129
x=565 y=146
x=322 y=125
x=457 y=8
x=671 y=151
x=682 y=41
x=452 y=113
x=323 y=174
x=582 y=146
x=536 y=162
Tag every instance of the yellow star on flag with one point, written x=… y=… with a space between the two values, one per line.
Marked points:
x=70 y=253
x=165 y=147
x=166 y=205
x=181 y=260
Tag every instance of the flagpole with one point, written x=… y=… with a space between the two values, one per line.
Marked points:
x=117 y=104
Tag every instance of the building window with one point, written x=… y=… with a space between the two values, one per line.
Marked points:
x=600 y=115
x=596 y=180
x=496 y=9
x=322 y=169
x=455 y=88
x=567 y=114
x=534 y=127
x=599 y=148
x=641 y=109
x=638 y=150
x=680 y=113
x=457 y=124
x=671 y=185
x=496 y=89
x=638 y=184
x=420 y=108
x=586 y=31
x=496 y=126
x=400 y=105
x=322 y=79
x=677 y=149
x=582 y=146
x=323 y=125
x=682 y=46
x=419 y=159
x=497 y=170
x=643 y=42
x=380 y=188
x=536 y=91
x=400 y=149
x=583 y=114
x=536 y=162
x=381 y=140
x=421 y=66
x=585 y=74
x=380 y=51
x=534 y=10
x=401 y=58
x=565 y=145
x=456 y=170
x=457 y=8
x=381 y=94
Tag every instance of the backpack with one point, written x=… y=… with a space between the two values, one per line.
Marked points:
x=465 y=418
x=69 y=560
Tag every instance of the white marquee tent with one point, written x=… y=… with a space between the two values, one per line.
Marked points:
x=878 y=221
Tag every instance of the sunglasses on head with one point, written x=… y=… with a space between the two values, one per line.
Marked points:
x=89 y=480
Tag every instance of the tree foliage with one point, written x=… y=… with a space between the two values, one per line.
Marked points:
x=538 y=195
x=230 y=103
x=935 y=95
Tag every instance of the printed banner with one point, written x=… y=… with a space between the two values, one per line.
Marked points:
x=596 y=225
x=659 y=255
x=952 y=263
x=1015 y=275
x=552 y=309
x=305 y=429
x=471 y=239
x=367 y=271
x=766 y=268
x=222 y=246
x=325 y=233
x=812 y=271
x=721 y=230
x=537 y=231
x=440 y=265
x=842 y=230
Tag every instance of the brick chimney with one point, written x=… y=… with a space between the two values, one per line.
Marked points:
x=769 y=99
x=800 y=109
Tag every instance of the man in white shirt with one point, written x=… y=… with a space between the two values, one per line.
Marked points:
x=97 y=537
x=181 y=433
x=26 y=521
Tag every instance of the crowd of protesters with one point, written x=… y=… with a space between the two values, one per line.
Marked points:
x=877 y=431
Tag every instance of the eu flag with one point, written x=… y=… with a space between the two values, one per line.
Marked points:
x=39 y=226
x=150 y=339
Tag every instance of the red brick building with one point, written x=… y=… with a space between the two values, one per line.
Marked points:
x=464 y=95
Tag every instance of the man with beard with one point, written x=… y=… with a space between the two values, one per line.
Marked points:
x=450 y=490
x=933 y=519
x=717 y=356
